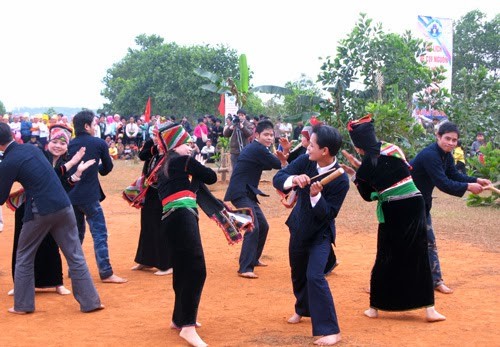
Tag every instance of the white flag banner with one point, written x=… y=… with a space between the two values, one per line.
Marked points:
x=438 y=31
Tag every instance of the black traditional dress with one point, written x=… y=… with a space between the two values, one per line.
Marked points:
x=152 y=249
x=401 y=276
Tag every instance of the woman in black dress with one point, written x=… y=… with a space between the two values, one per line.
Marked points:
x=401 y=276
x=180 y=223
x=152 y=250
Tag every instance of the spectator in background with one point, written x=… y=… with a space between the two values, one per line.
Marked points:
x=25 y=128
x=131 y=131
x=102 y=125
x=194 y=147
x=201 y=133
x=297 y=130
x=186 y=125
x=208 y=151
x=239 y=131
x=459 y=157
x=475 y=148
x=113 y=151
x=44 y=131
x=286 y=129
x=110 y=128
x=15 y=126
x=217 y=131
x=35 y=127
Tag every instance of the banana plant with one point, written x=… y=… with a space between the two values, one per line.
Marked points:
x=222 y=85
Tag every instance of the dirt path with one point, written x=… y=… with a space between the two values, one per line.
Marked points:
x=239 y=312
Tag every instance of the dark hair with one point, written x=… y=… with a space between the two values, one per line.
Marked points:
x=5 y=134
x=241 y=111
x=264 y=125
x=329 y=137
x=448 y=127
x=81 y=119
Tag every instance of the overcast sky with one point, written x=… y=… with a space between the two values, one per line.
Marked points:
x=56 y=53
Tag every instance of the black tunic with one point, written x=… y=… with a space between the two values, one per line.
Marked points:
x=401 y=276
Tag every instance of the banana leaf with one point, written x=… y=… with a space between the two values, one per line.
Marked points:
x=244 y=74
x=208 y=75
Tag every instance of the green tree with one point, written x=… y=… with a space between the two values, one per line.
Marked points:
x=2 y=108
x=476 y=72
x=379 y=73
x=164 y=72
x=476 y=43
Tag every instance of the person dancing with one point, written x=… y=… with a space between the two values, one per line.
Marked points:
x=180 y=223
x=312 y=230
x=48 y=210
x=401 y=277
x=48 y=265
x=152 y=250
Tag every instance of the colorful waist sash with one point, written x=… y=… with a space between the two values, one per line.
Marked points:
x=183 y=198
x=404 y=188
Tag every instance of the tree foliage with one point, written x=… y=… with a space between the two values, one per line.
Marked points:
x=164 y=72
x=378 y=73
x=475 y=100
x=2 y=108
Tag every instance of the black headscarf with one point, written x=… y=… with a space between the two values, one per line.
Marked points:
x=362 y=133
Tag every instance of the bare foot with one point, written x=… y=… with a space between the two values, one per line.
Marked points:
x=12 y=310
x=191 y=336
x=328 y=340
x=433 y=316
x=140 y=267
x=164 y=272
x=294 y=319
x=247 y=274
x=259 y=263
x=175 y=327
x=10 y=292
x=442 y=288
x=62 y=290
x=114 y=279
x=371 y=312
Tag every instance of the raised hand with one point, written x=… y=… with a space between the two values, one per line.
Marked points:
x=351 y=159
x=349 y=170
x=78 y=155
x=200 y=159
x=84 y=165
x=285 y=144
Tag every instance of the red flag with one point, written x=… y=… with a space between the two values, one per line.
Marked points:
x=222 y=105
x=147 y=111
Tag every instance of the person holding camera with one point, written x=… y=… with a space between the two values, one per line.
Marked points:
x=239 y=131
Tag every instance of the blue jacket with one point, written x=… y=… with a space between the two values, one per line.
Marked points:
x=307 y=224
x=88 y=189
x=433 y=167
x=244 y=182
x=27 y=165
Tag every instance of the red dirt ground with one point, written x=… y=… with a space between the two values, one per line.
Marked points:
x=240 y=312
